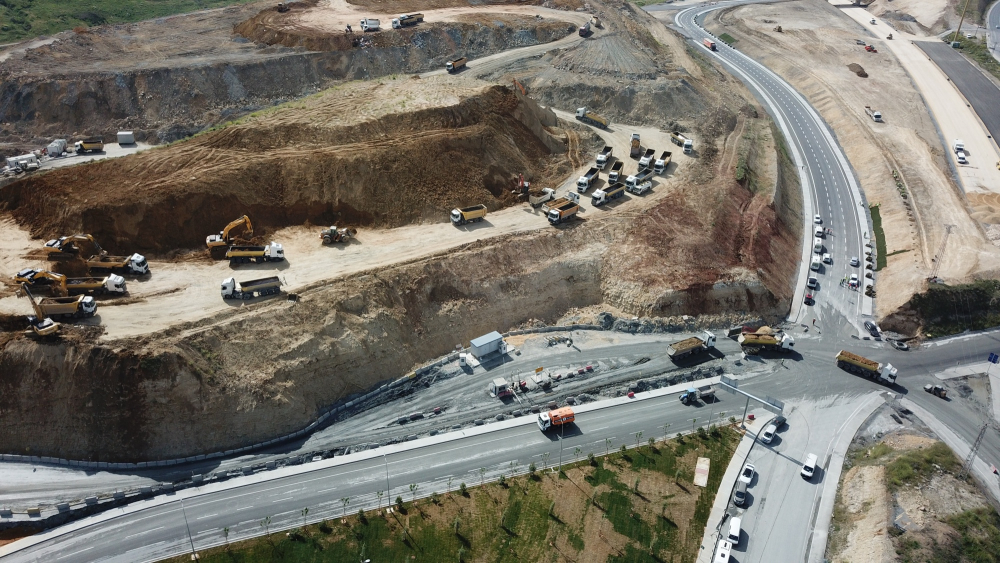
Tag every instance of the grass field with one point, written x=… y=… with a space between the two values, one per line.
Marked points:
x=635 y=506
x=24 y=19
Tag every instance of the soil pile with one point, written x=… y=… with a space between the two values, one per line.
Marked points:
x=318 y=163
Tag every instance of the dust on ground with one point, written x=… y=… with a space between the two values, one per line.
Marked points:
x=914 y=219
x=920 y=17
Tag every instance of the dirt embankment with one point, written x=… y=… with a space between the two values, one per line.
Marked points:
x=290 y=166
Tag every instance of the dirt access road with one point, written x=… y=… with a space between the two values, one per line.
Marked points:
x=183 y=292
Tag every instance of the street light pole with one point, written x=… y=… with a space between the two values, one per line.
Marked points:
x=194 y=554
x=562 y=429
x=388 y=493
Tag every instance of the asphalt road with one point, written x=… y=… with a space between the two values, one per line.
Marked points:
x=980 y=91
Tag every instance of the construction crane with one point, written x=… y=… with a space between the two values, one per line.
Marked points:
x=39 y=279
x=40 y=324
x=67 y=248
x=224 y=238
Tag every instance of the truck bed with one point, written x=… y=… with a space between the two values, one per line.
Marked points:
x=685 y=345
x=862 y=361
x=252 y=284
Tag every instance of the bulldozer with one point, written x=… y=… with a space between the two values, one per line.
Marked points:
x=333 y=235
x=73 y=246
x=38 y=324
x=217 y=244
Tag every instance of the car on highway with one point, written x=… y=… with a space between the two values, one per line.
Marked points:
x=747 y=474
x=854 y=280
x=871 y=328
x=827 y=259
x=769 y=433
x=855 y=262
x=812 y=283
x=818 y=220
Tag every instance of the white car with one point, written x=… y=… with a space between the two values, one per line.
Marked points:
x=827 y=259
x=768 y=434
x=747 y=474
x=818 y=220
x=812 y=283
x=854 y=280
x=854 y=261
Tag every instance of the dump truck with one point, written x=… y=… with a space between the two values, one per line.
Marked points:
x=756 y=343
x=369 y=24
x=468 y=214
x=595 y=21
x=616 y=171
x=456 y=65
x=709 y=43
x=587 y=116
x=584 y=30
x=112 y=284
x=406 y=20
x=499 y=388
x=134 y=264
x=639 y=188
x=638 y=178
x=88 y=145
x=76 y=307
x=334 y=235
x=635 y=149
x=218 y=243
x=61 y=286
x=689 y=346
x=584 y=183
x=936 y=390
x=538 y=197
x=883 y=373
x=601 y=197
x=563 y=213
x=874 y=114
x=706 y=393
x=40 y=324
x=570 y=197
x=646 y=160
x=660 y=166
x=68 y=247
x=231 y=289
x=604 y=156
x=272 y=252
x=682 y=141
x=557 y=417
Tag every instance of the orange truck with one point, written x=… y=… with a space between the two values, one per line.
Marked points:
x=709 y=43
x=556 y=417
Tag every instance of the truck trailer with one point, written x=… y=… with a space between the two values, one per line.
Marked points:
x=635 y=149
x=646 y=160
x=273 y=252
x=682 y=141
x=586 y=181
x=557 y=203
x=468 y=214
x=709 y=43
x=586 y=116
x=601 y=197
x=456 y=65
x=563 y=213
x=689 y=346
x=640 y=177
x=604 y=156
x=89 y=144
x=756 y=343
x=616 y=172
x=369 y=24
x=231 y=289
x=77 y=307
x=538 y=197
x=874 y=114
x=134 y=264
x=660 y=166
x=112 y=284
x=407 y=20
x=883 y=373
x=554 y=418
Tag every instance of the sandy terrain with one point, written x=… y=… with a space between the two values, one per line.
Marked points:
x=932 y=16
x=867 y=502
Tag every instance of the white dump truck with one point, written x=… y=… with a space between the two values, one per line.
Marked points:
x=232 y=289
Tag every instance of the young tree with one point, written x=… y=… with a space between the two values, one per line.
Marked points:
x=482 y=475
x=413 y=491
x=638 y=436
x=225 y=532
x=607 y=446
x=576 y=453
x=345 y=501
x=379 y=494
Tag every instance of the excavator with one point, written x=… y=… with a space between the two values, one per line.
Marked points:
x=43 y=279
x=59 y=285
x=68 y=248
x=224 y=239
x=40 y=324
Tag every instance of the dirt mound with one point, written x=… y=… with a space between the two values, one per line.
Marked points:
x=857 y=69
x=299 y=165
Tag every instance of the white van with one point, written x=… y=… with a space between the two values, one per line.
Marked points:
x=722 y=552
x=818 y=245
x=769 y=433
x=815 y=264
x=809 y=467
x=961 y=157
x=734 y=530
x=818 y=232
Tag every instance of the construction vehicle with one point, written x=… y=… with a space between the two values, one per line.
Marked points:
x=369 y=24
x=557 y=417
x=468 y=214
x=682 y=141
x=135 y=264
x=936 y=390
x=584 y=183
x=499 y=388
x=639 y=188
x=584 y=30
x=66 y=248
x=334 y=235
x=635 y=150
x=706 y=393
x=889 y=37
x=40 y=324
x=660 y=166
x=582 y=114
x=40 y=280
x=570 y=197
x=766 y=339
x=76 y=307
x=601 y=197
x=406 y=20
x=689 y=346
x=100 y=285
x=874 y=114
x=883 y=373
x=709 y=43
x=273 y=252
x=456 y=65
x=225 y=237
x=616 y=171
x=231 y=289
x=638 y=178
x=604 y=156
x=61 y=286
x=646 y=160
x=595 y=21
x=871 y=49
x=563 y=213
x=539 y=197
x=89 y=144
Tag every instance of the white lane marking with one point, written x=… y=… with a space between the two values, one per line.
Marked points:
x=283 y=499
x=76 y=552
x=146 y=532
x=205 y=516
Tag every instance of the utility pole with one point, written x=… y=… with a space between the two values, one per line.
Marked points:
x=388 y=493
x=960 y=20
x=194 y=554
x=972 y=452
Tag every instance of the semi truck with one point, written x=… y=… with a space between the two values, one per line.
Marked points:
x=638 y=178
x=231 y=289
x=586 y=116
x=646 y=160
x=61 y=286
x=407 y=19
x=585 y=182
x=369 y=24
x=557 y=203
x=706 y=393
x=334 y=235
x=635 y=149
x=77 y=307
x=134 y=264
x=709 y=43
x=563 y=213
x=584 y=29
x=601 y=197
x=874 y=114
x=616 y=171
x=883 y=373
x=554 y=418
x=456 y=65
x=689 y=346
x=468 y=214
x=756 y=343
x=538 y=197
x=660 y=166
x=273 y=252
x=682 y=141
x=89 y=144
x=639 y=188
x=604 y=156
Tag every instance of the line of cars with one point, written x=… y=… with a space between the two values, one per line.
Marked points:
x=819 y=258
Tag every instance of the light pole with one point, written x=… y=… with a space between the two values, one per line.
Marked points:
x=562 y=428
x=194 y=554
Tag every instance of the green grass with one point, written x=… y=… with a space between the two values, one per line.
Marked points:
x=24 y=19
x=946 y=309
x=918 y=465
x=879 y=237
x=727 y=39
x=980 y=535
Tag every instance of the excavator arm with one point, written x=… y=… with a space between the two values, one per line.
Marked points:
x=44 y=278
x=223 y=238
x=40 y=324
x=74 y=244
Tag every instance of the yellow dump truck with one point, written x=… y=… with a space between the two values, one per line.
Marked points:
x=77 y=307
x=587 y=116
x=134 y=264
x=693 y=345
x=756 y=343
x=883 y=373
x=468 y=214
x=95 y=144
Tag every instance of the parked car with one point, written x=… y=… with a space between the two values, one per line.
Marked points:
x=812 y=283
x=768 y=433
x=871 y=328
x=855 y=262
x=827 y=259
x=818 y=220
x=747 y=474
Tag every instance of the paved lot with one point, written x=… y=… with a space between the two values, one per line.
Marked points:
x=976 y=88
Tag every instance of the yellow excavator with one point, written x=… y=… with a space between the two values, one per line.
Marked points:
x=43 y=279
x=40 y=324
x=224 y=239
x=67 y=248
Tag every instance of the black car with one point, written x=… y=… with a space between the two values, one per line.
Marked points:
x=778 y=422
x=871 y=328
